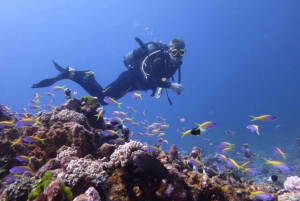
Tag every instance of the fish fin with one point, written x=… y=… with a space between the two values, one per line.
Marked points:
x=254 y=118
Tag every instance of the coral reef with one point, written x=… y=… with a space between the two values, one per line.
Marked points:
x=83 y=165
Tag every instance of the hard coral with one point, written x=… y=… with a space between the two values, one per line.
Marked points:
x=90 y=194
x=123 y=153
x=196 y=180
x=68 y=116
x=83 y=170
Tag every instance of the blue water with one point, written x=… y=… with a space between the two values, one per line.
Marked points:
x=242 y=59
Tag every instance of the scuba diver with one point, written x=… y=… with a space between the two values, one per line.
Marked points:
x=149 y=67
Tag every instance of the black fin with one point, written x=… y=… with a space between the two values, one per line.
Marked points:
x=44 y=83
x=58 y=67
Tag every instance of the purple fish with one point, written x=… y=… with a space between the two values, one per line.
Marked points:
x=221 y=167
x=283 y=167
x=25 y=122
x=19 y=169
x=34 y=107
x=229 y=132
x=251 y=171
x=261 y=196
x=253 y=128
x=22 y=158
x=245 y=147
x=13 y=177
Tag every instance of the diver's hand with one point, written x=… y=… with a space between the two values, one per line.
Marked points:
x=176 y=87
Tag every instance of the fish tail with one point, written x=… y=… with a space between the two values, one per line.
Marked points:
x=43 y=140
x=119 y=105
x=254 y=118
x=98 y=116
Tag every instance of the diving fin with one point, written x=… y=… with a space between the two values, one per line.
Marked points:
x=58 y=67
x=65 y=74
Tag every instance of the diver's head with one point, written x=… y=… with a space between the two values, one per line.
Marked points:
x=176 y=49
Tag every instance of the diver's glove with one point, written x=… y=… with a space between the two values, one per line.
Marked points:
x=176 y=87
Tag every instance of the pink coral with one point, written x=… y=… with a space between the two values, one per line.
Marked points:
x=292 y=183
x=123 y=153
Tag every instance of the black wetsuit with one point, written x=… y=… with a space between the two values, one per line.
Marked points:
x=160 y=70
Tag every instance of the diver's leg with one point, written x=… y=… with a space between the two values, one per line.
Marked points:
x=123 y=84
x=48 y=82
x=85 y=80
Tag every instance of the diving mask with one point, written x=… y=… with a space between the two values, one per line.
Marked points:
x=177 y=52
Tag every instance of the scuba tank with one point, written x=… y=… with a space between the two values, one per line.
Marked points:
x=139 y=61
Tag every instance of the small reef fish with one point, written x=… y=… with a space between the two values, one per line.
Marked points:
x=49 y=94
x=37 y=96
x=112 y=101
x=196 y=162
x=233 y=163
x=151 y=166
x=137 y=95
x=278 y=165
x=19 y=169
x=182 y=120
x=161 y=118
x=153 y=148
x=123 y=113
x=131 y=109
x=34 y=101
x=253 y=128
x=16 y=142
x=57 y=88
x=221 y=167
x=207 y=125
x=52 y=100
x=186 y=133
x=23 y=109
x=250 y=171
x=162 y=126
x=280 y=152
x=13 y=177
x=229 y=132
x=161 y=140
x=160 y=135
x=128 y=119
x=247 y=163
x=6 y=123
x=34 y=107
x=110 y=132
x=4 y=107
x=100 y=113
x=50 y=106
x=22 y=158
x=144 y=112
x=27 y=121
x=118 y=119
x=260 y=195
x=265 y=117
x=34 y=139
x=134 y=123
x=221 y=157
x=24 y=115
